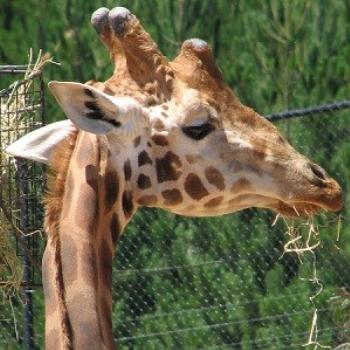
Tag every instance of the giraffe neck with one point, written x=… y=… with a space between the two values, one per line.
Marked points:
x=96 y=204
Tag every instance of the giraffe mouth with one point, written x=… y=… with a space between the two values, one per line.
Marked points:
x=328 y=197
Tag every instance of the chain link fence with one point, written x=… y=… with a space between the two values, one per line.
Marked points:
x=217 y=283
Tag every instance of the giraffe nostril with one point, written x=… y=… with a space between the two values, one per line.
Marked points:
x=318 y=171
x=319 y=175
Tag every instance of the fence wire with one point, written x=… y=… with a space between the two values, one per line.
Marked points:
x=224 y=283
x=21 y=111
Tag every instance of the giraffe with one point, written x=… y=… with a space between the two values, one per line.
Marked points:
x=159 y=134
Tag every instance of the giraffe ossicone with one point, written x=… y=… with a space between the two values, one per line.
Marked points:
x=160 y=134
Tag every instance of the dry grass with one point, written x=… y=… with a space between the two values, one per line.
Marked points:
x=14 y=111
x=15 y=107
x=303 y=240
x=11 y=269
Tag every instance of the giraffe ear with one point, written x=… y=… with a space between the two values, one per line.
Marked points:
x=96 y=112
x=39 y=144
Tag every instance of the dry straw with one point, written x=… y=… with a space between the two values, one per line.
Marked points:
x=14 y=110
x=304 y=238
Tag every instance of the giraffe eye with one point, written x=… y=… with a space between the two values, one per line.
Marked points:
x=198 y=132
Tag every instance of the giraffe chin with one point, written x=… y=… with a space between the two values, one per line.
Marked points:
x=298 y=209
x=305 y=209
x=328 y=198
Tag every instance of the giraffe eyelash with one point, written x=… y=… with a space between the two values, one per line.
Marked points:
x=198 y=132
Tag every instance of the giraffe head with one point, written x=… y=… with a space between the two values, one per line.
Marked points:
x=182 y=137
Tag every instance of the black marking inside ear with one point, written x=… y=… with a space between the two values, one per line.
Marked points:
x=89 y=93
x=97 y=114
x=113 y=122
x=91 y=105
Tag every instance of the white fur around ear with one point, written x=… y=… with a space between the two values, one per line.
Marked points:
x=39 y=144
x=96 y=112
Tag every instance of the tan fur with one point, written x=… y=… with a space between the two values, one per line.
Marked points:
x=53 y=204
x=56 y=180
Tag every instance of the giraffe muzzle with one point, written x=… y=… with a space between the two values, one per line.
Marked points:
x=324 y=192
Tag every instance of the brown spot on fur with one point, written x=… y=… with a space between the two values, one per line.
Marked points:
x=147 y=200
x=150 y=88
x=107 y=90
x=194 y=187
x=111 y=183
x=87 y=219
x=151 y=100
x=167 y=167
x=128 y=205
x=88 y=266
x=106 y=257
x=214 y=177
x=143 y=181
x=214 y=202
x=241 y=185
x=149 y=144
x=127 y=170
x=91 y=176
x=144 y=158
x=115 y=228
x=164 y=114
x=172 y=197
x=137 y=141
x=158 y=124
x=193 y=158
x=69 y=253
x=160 y=140
x=165 y=106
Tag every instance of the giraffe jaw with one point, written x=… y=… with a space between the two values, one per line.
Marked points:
x=309 y=208
x=297 y=209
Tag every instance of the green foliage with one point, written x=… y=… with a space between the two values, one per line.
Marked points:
x=187 y=283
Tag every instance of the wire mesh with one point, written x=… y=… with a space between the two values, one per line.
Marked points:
x=21 y=111
x=224 y=283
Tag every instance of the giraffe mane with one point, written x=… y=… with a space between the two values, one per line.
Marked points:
x=53 y=207
x=56 y=182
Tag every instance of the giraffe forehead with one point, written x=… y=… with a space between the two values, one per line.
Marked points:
x=173 y=111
